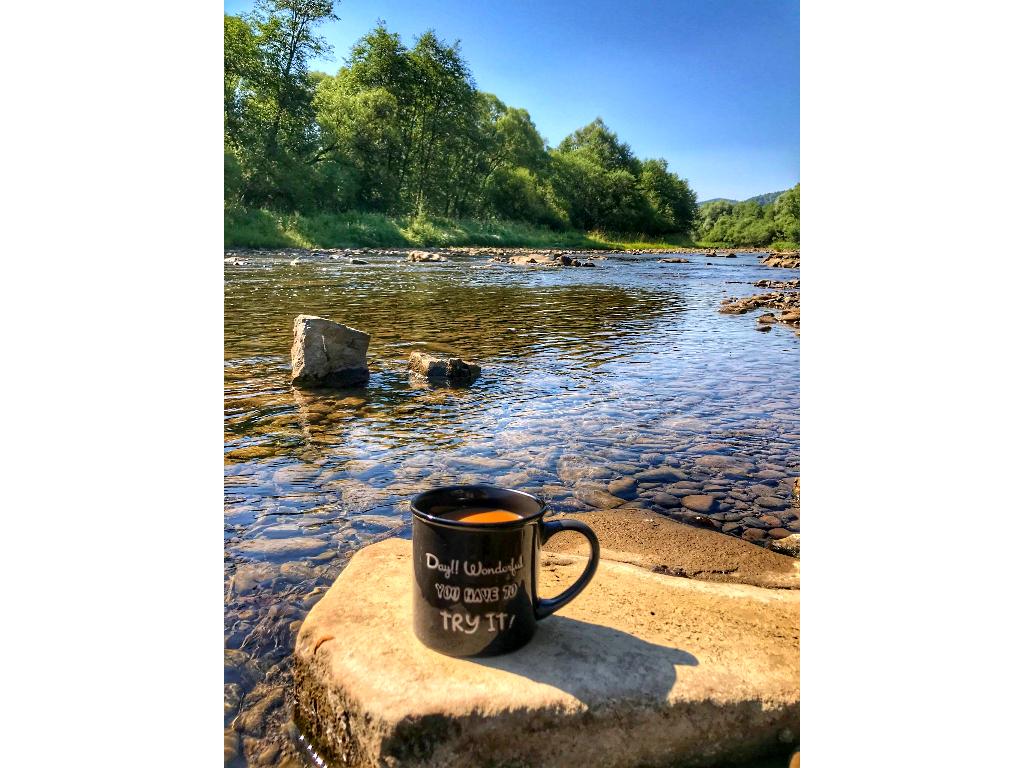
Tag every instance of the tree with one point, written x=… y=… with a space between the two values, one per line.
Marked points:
x=269 y=117
x=751 y=222
x=402 y=130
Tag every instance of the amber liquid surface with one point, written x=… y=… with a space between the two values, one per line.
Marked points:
x=479 y=515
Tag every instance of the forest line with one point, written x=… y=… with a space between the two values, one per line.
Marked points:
x=401 y=133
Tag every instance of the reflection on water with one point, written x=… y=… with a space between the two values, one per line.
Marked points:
x=620 y=379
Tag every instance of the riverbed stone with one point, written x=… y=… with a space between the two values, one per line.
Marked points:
x=666 y=500
x=280 y=549
x=702 y=502
x=624 y=488
x=443 y=370
x=771 y=502
x=660 y=475
x=595 y=496
x=326 y=353
x=651 y=540
x=641 y=669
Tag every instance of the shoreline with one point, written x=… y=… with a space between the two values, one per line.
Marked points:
x=234 y=253
x=261 y=229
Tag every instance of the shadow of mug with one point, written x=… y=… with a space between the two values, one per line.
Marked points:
x=592 y=662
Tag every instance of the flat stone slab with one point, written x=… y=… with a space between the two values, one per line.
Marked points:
x=642 y=669
x=654 y=541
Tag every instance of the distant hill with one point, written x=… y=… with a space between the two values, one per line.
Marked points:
x=767 y=197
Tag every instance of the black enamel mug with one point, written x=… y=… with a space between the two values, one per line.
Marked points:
x=476 y=583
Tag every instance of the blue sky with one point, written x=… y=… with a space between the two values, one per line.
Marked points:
x=711 y=86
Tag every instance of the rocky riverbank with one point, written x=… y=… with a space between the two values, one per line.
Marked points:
x=785 y=301
x=784 y=259
x=551 y=256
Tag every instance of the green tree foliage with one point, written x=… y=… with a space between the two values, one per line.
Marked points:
x=404 y=130
x=751 y=223
x=269 y=121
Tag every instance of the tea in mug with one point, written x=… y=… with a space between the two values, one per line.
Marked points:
x=480 y=515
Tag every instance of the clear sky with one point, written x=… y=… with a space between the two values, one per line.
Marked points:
x=713 y=86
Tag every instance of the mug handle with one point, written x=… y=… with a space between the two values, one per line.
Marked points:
x=547 y=606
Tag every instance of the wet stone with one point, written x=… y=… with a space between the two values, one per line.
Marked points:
x=699 y=503
x=778 y=533
x=239 y=668
x=753 y=534
x=270 y=549
x=232 y=747
x=253 y=720
x=659 y=475
x=665 y=500
x=771 y=502
x=232 y=698
x=789 y=545
x=268 y=754
x=624 y=488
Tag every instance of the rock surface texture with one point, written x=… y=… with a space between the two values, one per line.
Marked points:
x=325 y=353
x=654 y=541
x=641 y=669
x=451 y=370
x=785 y=259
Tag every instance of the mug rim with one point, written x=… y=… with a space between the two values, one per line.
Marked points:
x=447 y=523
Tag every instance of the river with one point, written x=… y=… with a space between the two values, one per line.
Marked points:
x=590 y=376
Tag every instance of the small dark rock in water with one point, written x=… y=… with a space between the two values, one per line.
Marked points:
x=770 y=502
x=358 y=261
x=666 y=500
x=674 y=260
x=778 y=533
x=450 y=370
x=763 y=327
x=753 y=534
x=768 y=318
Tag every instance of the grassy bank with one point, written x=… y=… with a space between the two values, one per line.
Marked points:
x=778 y=245
x=266 y=229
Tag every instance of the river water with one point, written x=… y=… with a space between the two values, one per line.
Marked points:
x=590 y=377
